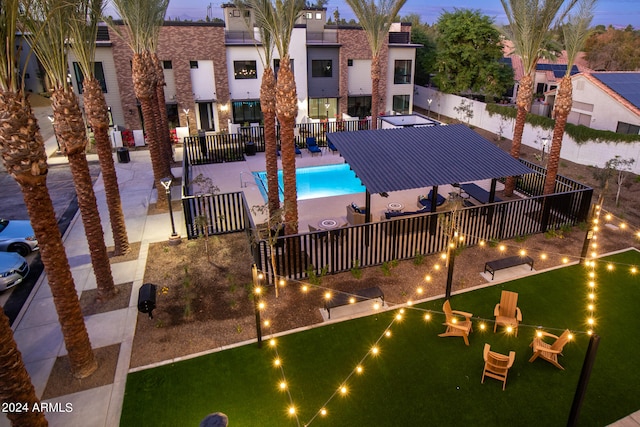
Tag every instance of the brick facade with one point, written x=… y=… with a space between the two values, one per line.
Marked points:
x=354 y=45
x=180 y=44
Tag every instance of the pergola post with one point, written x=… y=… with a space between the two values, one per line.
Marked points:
x=367 y=206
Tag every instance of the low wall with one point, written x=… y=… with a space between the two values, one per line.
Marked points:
x=591 y=153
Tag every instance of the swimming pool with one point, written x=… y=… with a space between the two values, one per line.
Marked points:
x=317 y=181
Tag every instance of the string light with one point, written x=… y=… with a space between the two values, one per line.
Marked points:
x=374 y=351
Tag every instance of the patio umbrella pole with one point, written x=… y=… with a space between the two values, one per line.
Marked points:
x=585 y=374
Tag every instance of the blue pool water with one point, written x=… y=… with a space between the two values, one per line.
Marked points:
x=317 y=181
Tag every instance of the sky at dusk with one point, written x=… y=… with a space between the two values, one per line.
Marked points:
x=618 y=13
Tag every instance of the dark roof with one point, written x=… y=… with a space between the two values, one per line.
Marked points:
x=102 y=34
x=559 y=70
x=388 y=160
x=627 y=85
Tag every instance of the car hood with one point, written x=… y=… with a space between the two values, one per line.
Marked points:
x=10 y=261
x=17 y=229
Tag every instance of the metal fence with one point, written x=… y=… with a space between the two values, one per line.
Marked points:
x=403 y=238
x=374 y=243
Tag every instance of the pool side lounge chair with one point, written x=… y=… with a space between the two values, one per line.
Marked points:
x=332 y=147
x=312 y=146
x=298 y=152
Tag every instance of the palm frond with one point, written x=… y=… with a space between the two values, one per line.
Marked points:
x=266 y=38
x=45 y=24
x=376 y=19
x=142 y=20
x=83 y=26
x=9 y=11
x=529 y=24
x=577 y=30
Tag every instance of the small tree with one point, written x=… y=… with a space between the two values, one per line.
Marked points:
x=622 y=166
x=270 y=231
x=465 y=111
x=203 y=186
x=615 y=166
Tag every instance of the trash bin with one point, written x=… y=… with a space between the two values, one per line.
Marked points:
x=250 y=148
x=147 y=299
x=123 y=155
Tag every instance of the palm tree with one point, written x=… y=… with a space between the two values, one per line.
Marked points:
x=278 y=20
x=15 y=382
x=84 y=27
x=529 y=24
x=267 y=103
x=24 y=158
x=575 y=31
x=141 y=19
x=47 y=24
x=375 y=18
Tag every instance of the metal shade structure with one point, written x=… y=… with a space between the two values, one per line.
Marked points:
x=399 y=159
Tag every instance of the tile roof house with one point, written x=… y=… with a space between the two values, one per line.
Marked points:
x=606 y=101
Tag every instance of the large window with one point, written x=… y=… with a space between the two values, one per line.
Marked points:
x=359 y=106
x=323 y=108
x=98 y=73
x=628 y=128
x=321 y=68
x=246 y=112
x=402 y=72
x=205 y=114
x=244 y=70
x=401 y=103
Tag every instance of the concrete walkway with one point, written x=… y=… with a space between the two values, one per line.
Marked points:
x=36 y=329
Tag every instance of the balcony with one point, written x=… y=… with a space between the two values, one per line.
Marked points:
x=239 y=37
x=322 y=37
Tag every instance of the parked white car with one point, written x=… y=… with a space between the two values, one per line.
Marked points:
x=13 y=269
x=17 y=236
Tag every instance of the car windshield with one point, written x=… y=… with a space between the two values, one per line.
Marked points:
x=3 y=224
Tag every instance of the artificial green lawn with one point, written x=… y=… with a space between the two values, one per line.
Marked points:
x=419 y=378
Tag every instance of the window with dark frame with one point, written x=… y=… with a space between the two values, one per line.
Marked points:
x=98 y=72
x=627 y=128
x=193 y=64
x=401 y=103
x=321 y=68
x=167 y=65
x=244 y=70
x=246 y=112
x=359 y=106
x=402 y=72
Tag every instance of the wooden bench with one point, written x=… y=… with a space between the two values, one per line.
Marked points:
x=341 y=298
x=512 y=261
x=478 y=193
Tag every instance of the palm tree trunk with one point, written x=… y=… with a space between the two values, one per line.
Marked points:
x=523 y=102
x=70 y=131
x=15 y=382
x=268 y=106
x=287 y=110
x=25 y=159
x=144 y=87
x=564 y=100
x=375 y=90
x=163 y=124
x=97 y=113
